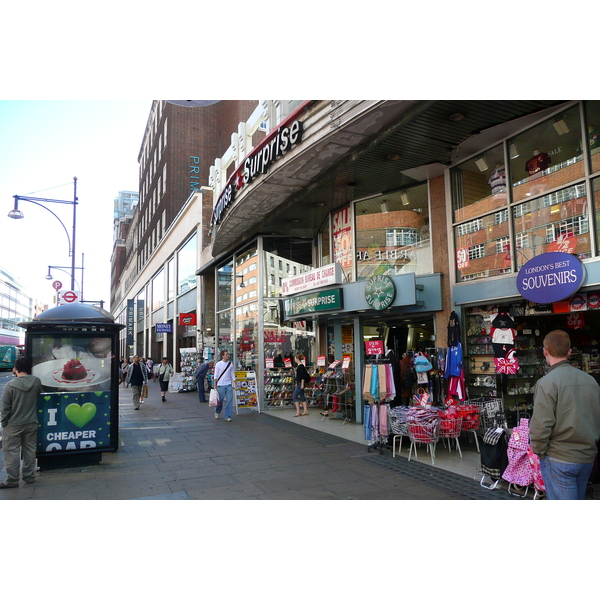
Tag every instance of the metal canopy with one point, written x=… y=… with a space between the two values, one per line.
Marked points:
x=405 y=144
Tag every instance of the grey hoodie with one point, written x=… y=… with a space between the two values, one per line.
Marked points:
x=19 y=400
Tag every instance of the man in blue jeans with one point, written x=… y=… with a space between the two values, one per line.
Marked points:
x=224 y=377
x=566 y=422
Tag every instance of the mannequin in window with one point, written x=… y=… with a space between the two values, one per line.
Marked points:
x=538 y=162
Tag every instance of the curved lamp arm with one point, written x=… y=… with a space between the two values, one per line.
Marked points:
x=17 y=214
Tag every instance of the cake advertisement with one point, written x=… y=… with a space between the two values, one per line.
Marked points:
x=74 y=409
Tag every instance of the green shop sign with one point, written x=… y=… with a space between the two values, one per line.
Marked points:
x=309 y=303
x=380 y=292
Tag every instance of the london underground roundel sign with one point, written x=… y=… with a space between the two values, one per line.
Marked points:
x=550 y=277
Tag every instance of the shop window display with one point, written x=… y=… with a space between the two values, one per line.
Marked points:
x=596 y=196
x=592 y=114
x=504 y=358
x=392 y=234
x=547 y=156
x=482 y=249
x=556 y=222
x=479 y=185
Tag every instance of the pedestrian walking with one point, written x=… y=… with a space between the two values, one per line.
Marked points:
x=149 y=365
x=224 y=378
x=124 y=369
x=19 y=423
x=302 y=379
x=164 y=374
x=137 y=376
x=201 y=374
x=566 y=421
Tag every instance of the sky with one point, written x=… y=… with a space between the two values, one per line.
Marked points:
x=43 y=145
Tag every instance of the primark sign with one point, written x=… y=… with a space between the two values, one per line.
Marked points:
x=258 y=162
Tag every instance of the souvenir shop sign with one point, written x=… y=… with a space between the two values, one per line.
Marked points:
x=550 y=277
x=318 y=301
x=328 y=275
x=380 y=292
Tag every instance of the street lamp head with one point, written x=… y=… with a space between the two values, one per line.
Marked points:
x=48 y=276
x=15 y=213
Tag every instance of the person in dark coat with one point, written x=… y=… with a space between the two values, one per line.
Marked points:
x=201 y=374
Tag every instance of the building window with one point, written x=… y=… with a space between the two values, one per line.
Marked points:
x=392 y=234
x=186 y=266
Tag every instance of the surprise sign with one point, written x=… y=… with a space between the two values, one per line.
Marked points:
x=73 y=421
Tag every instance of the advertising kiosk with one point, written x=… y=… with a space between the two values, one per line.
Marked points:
x=74 y=349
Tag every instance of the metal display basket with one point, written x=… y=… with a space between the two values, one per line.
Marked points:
x=399 y=425
x=488 y=409
x=470 y=416
x=451 y=429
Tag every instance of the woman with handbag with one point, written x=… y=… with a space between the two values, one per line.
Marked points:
x=164 y=374
x=224 y=378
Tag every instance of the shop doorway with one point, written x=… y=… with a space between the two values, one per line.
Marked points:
x=402 y=334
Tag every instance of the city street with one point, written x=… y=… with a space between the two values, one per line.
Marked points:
x=177 y=450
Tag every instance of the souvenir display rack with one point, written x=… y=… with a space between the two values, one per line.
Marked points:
x=189 y=366
x=279 y=386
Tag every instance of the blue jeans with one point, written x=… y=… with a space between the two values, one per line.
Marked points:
x=565 y=481
x=225 y=398
x=298 y=395
x=201 y=396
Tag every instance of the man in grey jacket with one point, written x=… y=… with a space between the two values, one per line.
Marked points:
x=19 y=423
x=565 y=425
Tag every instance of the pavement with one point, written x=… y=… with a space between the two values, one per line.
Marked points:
x=177 y=450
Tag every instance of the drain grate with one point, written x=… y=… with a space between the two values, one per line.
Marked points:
x=460 y=485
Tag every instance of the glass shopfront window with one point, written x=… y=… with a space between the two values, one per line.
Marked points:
x=479 y=185
x=324 y=244
x=224 y=286
x=224 y=329
x=592 y=114
x=186 y=266
x=556 y=222
x=170 y=280
x=246 y=336
x=547 y=156
x=158 y=290
x=483 y=247
x=283 y=257
x=343 y=244
x=392 y=234
x=596 y=196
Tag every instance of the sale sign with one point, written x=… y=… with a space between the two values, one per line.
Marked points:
x=373 y=347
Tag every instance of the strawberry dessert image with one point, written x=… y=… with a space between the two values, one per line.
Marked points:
x=74 y=370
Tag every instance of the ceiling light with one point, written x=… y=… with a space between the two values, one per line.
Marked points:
x=513 y=150
x=404 y=198
x=393 y=156
x=457 y=117
x=319 y=203
x=481 y=164
x=561 y=126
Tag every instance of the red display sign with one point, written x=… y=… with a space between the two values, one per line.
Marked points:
x=187 y=318
x=373 y=347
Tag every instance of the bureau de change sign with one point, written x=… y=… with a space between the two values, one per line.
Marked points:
x=550 y=277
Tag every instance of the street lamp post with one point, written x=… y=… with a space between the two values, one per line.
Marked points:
x=59 y=268
x=15 y=213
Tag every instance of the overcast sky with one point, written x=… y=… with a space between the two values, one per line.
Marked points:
x=43 y=145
